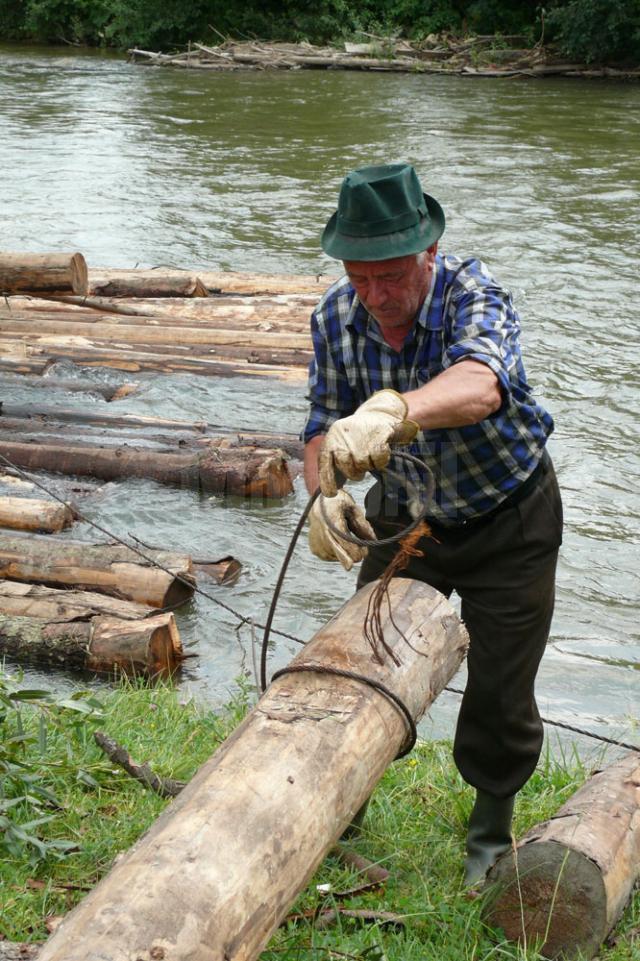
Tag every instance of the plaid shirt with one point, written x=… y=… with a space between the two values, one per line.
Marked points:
x=466 y=315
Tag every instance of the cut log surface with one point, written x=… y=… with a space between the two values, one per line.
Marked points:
x=572 y=876
x=244 y=471
x=27 y=514
x=149 y=647
x=245 y=835
x=100 y=567
x=42 y=273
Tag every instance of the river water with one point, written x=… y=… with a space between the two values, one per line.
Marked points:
x=146 y=166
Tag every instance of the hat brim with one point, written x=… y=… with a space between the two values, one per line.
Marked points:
x=385 y=246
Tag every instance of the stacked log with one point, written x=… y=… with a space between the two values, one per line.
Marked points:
x=246 y=834
x=79 y=630
x=30 y=514
x=116 y=570
x=570 y=878
x=44 y=273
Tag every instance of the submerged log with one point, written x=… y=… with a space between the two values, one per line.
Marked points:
x=20 y=273
x=28 y=514
x=245 y=471
x=149 y=647
x=247 y=833
x=79 y=385
x=100 y=567
x=571 y=877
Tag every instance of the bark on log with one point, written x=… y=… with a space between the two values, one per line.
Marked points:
x=100 y=567
x=146 y=283
x=42 y=272
x=47 y=603
x=149 y=647
x=244 y=471
x=571 y=876
x=28 y=514
x=248 y=831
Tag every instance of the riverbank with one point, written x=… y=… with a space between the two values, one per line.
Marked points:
x=477 y=56
x=415 y=829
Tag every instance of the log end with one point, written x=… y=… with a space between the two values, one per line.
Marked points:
x=552 y=896
x=79 y=275
x=268 y=476
x=150 y=647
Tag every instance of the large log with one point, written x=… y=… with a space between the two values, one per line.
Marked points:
x=48 y=603
x=149 y=647
x=246 y=834
x=244 y=471
x=100 y=567
x=146 y=283
x=29 y=514
x=42 y=273
x=570 y=878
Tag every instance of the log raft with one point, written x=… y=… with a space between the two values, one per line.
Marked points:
x=246 y=834
x=570 y=878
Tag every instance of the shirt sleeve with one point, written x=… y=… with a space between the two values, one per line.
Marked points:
x=330 y=394
x=484 y=327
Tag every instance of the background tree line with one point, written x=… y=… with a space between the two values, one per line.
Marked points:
x=585 y=30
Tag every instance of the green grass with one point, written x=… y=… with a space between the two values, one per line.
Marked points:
x=415 y=827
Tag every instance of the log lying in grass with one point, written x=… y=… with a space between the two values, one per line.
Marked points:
x=99 y=567
x=246 y=834
x=34 y=273
x=146 y=283
x=28 y=514
x=149 y=647
x=572 y=876
x=245 y=471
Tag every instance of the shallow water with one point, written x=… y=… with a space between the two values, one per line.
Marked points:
x=135 y=165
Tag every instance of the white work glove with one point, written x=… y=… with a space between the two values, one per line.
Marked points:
x=356 y=444
x=344 y=514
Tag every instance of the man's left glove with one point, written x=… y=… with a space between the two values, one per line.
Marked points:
x=355 y=444
x=344 y=514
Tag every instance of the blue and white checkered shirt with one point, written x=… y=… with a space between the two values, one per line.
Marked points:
x=466 y=315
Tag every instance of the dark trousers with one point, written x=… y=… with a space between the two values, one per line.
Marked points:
x=503 y=570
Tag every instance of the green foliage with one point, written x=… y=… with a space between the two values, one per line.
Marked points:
x=598 y=30
x=27 y=718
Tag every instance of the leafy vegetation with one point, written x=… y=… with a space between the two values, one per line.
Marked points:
x=415 y=827
x=589 y=30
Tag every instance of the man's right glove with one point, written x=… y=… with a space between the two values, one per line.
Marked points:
x=344 y=514
x=363 y=441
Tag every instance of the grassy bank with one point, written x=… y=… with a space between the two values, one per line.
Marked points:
x=415 y=828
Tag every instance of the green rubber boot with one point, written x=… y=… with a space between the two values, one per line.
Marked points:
x=354 y=829
x=488 y=837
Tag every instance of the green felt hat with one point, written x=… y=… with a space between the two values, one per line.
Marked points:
x=382 y=213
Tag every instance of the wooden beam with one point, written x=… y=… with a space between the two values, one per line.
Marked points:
x=246 y=834
x=571 y=877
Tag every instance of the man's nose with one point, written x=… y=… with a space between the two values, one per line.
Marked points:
x=376 y=294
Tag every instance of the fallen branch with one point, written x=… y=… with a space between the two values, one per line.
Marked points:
x=164 y=786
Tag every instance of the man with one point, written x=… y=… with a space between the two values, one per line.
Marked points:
x=415 y=347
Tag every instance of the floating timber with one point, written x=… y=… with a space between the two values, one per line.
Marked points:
x=249 y=325
x=246 y=834
x=31 y=514
x=571 y=877
x=34 y=424
x=479 y=56
x=244 y=471
x=43 y=273
x=109 y=569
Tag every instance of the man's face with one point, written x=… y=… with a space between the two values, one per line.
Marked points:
x=392 y=290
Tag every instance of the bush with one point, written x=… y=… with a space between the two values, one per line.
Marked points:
x=598 y=30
